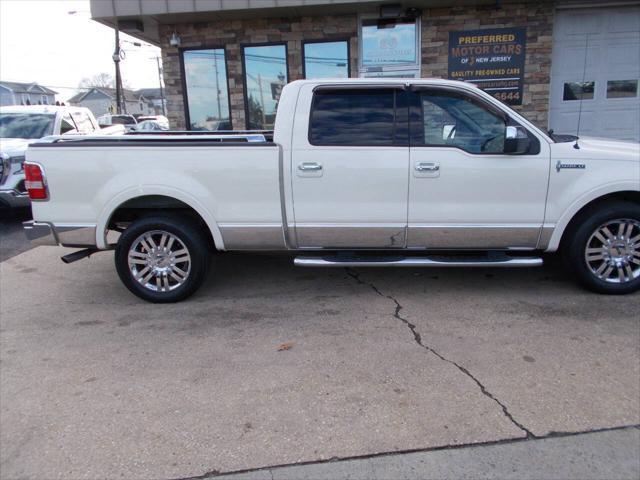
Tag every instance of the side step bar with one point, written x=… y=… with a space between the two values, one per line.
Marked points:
x=438 y=261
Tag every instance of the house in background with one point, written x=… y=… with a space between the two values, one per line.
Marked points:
x=18 y=93
x=154 y=99
x=103 y=100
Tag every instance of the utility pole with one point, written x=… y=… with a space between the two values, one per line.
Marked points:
x=116 y=60
x=161 y=89
x=264 y=116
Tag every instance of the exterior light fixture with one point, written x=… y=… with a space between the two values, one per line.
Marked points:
x=174 y=41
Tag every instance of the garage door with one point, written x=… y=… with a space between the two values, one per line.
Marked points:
x=596 y=58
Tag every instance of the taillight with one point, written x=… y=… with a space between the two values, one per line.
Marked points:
x=35 y=183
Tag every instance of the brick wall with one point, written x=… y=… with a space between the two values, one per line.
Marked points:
x=436 y=25
x=536 y=17
x=232 y=34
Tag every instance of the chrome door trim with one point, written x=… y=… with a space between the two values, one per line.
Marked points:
x=480 y=237
x=255 y=236
x=352 y=236
x=545 y=236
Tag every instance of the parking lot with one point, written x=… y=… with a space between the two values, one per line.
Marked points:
x=269 y=365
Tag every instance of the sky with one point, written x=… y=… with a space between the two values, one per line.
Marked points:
x=41 y=42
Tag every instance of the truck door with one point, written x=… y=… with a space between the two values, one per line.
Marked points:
x=350 y=165
x=464 y=190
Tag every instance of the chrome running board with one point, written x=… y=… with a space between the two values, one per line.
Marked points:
x=438 y=261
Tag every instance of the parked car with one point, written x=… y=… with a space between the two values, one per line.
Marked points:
x=160 y=119
x=360 y=173
x=150 y=126
x=107 y=120
x=23 y=125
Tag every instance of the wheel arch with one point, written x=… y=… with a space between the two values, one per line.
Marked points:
x=573 y=214
x=142 y=200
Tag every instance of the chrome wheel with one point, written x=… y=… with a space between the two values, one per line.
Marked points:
x=613 y=251
x=159 y=261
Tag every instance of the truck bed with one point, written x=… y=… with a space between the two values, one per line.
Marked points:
x=234 y=181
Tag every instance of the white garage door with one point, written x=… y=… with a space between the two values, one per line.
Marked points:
x=606 y=78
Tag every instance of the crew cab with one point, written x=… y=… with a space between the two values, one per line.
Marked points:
x=23 y=125
x=359 y=172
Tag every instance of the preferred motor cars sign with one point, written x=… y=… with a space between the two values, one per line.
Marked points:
x=493 y=59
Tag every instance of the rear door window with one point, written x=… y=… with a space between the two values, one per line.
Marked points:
x=354 y=117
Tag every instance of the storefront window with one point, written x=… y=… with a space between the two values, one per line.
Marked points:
x=326 y=59
x=265 y=73
x=390 y=47
x=207 y=97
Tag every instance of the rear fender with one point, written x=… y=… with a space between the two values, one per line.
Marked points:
x=140 y=191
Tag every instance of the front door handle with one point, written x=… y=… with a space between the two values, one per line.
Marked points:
x=427 y=167
x=309 y=167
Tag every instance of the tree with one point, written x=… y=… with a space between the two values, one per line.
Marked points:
x=100 y=80
x=256 y=115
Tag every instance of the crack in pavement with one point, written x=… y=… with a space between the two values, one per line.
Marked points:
x=418 y=339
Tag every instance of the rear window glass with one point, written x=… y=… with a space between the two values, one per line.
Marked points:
x=352 y=117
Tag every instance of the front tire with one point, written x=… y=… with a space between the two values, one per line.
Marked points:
x=162 y=259
x=603 y=249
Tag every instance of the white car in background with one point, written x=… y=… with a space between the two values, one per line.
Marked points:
x=108 y=120
x=159 y=119
x=150 y=126
x=23 y=125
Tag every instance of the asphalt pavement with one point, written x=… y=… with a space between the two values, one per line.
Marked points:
x=272 y=365
x=12 y=238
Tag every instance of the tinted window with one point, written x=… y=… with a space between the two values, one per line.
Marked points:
x=622 y=88
x=578 y=91
x=326 y=60
x=344 y=117
x=265 y=70
x=26 y=125
x=205 y=76
x=123 y=120
x=450 y=119
x=66 y=124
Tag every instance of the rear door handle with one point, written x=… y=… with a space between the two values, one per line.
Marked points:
x=309 y=167
x=427 y=167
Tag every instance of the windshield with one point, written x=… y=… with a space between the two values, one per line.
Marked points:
x=26 y=125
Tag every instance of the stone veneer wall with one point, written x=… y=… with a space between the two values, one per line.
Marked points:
x=232 y=35
x=436 y=25
x=537 y=17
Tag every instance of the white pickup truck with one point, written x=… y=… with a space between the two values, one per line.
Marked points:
x=361 y=172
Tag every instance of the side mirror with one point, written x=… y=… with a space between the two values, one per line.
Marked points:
x=516 y=141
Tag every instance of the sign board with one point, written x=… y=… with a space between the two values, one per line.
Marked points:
x=493 y=59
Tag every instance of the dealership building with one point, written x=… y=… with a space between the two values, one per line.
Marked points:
x=226 y=61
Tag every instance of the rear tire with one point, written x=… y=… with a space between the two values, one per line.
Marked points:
x=162 y=259
x=602 y=250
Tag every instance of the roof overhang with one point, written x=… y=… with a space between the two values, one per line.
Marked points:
x=142 y=19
